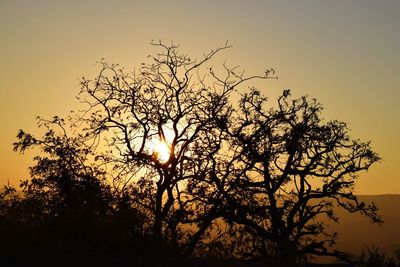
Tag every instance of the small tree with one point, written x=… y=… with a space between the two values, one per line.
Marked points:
x=287 y=169
x=67 y=207
x=375 y=257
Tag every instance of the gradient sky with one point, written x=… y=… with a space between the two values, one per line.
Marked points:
x=344 y=53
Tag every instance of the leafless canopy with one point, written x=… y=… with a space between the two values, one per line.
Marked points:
x=175 y=100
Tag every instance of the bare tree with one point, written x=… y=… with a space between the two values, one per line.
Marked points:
x=161 y=124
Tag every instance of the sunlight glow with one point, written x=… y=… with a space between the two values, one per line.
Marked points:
x=161 y=147
x=162 y=151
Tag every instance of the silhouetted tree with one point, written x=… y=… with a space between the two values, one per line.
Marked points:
x=375 y=257
x=287 y=168
x=176 y=102
x=163 y=154
x=67 y=207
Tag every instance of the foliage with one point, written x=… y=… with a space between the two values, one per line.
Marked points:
x=287 y=169
x=67 y=207
x=375 y=257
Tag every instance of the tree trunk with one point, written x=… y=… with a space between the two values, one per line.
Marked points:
x=157 y=227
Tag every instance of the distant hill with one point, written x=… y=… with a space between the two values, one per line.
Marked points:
x=356 y=232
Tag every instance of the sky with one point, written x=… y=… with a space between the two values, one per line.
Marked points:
x=343 y=53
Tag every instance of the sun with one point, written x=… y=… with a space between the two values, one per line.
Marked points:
x=160 y=147
x=162 y=151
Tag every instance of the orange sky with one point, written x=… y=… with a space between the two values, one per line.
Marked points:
x=344 y=53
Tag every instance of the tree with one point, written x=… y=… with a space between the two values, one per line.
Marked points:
x=199 y=171
x=67 y=207
x=287 y=170
x=162 y=125
x=375 y=257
